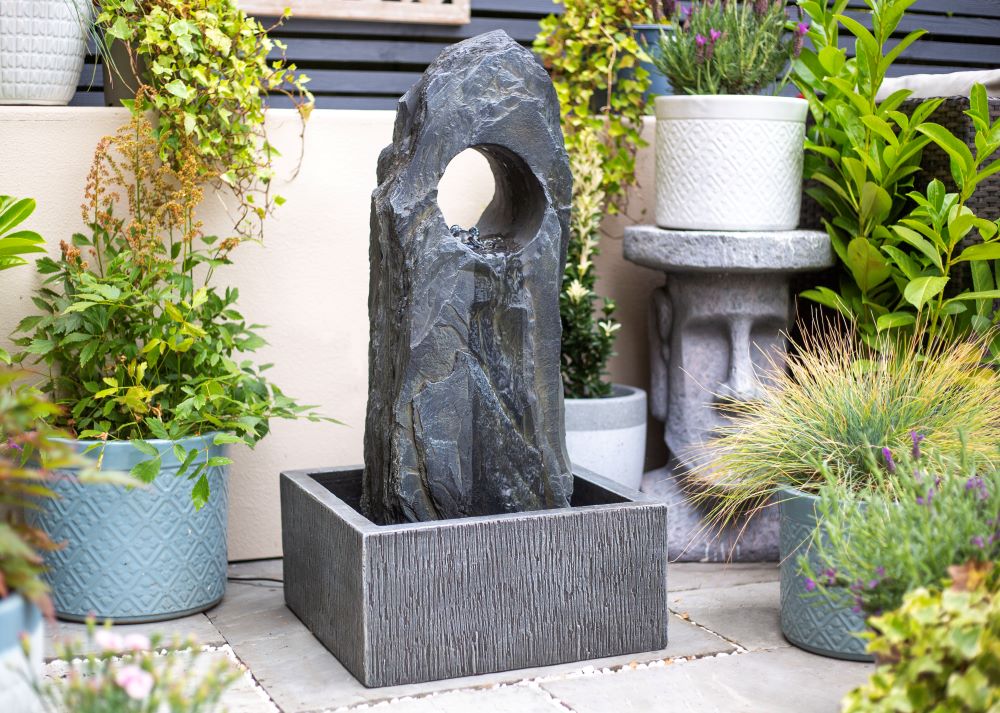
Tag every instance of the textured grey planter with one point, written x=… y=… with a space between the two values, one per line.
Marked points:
x=139 y=555
x=608 y=435
x=424 y=601
x=19 y=617
x=810 y=621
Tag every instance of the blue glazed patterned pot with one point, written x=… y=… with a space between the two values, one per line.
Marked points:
x=137 y=555
x=812 y=622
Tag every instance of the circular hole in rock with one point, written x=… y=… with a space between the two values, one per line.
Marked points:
x=492 y=189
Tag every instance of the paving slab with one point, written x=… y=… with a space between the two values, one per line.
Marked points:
x=300 y=674
x=773 y=681
x=196 y=625
x=746 y=614
x=682 y=576
x=505 y=699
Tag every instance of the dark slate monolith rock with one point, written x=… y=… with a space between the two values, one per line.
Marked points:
x=465 y=397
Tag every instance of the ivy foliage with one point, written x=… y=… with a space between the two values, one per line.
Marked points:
x=207 y=71
x=593 y=56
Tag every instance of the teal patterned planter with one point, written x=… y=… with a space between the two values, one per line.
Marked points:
x=139 y=555
x=810 y=621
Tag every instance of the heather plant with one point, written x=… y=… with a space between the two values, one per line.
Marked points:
x=592 y=54
x=899 y=248
x=137 y=341
x=207 y=69
x=729 y=47
x=837 y=401
x=939 y=651
x=131 y=673
x=877 y=544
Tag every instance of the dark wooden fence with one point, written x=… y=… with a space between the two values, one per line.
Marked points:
x=367 y=65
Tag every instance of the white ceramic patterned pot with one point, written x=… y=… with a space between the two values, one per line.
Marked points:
x=729 y=162
x=42 y=44
x=608 y=435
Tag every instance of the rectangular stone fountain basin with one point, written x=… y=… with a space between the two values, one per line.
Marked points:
x=424 y=601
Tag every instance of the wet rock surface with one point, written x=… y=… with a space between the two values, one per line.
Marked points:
x=465 y=398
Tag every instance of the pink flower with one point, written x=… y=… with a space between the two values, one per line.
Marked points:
x=136 y=683
x=108 y=640
x=136 y=642
x=714 y=35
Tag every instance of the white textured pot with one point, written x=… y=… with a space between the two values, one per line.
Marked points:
x=608 y=436
x=17 y=618
x=42 y=44
x=729 y=162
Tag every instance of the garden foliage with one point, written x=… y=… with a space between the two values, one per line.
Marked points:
x=900 y=248
x=877 y=544
x=137 y=341
x=838 y=401
x=208 y=69
x=592 y=55
x=729 y=47
x=939 y=651
x=15 y=244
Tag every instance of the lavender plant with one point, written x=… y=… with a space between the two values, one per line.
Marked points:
x=876 y=545
x=727 y=47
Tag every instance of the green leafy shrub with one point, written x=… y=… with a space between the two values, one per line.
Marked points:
x=729 y=47
x=862 y=155
x=136 y=674
x=876 y=545
x=592 y=54
x=138 y=343
x=838 y=402
x=208 y=69
x=15 y=244
x=940 y=651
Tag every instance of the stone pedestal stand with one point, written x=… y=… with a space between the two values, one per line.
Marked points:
x=714 y=329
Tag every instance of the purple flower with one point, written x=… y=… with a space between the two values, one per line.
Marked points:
x=831 y=577
x=700 y=40
x=714 y=35
x=802 y=28
x=979 y=542
x=809 y=584
x=880 y=571
x=916 y=438
x=872 y=584
x=890 y=464
x=760 y=7
x=977 y=484
x=13 y=445
x=926 y=500
x=856 y=609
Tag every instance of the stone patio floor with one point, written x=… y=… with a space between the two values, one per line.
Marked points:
x=726 y=654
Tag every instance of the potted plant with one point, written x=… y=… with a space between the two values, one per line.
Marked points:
x=42 y=46
x=829 y=417
x=146 y=356
x=728 y=158
x=649 y=35
x=871 y=547
x=605 y=423
x=207 y=91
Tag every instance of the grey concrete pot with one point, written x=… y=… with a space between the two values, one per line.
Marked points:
x=430 y=600
x=137 y=555
x=608 y=436
x=811 y=621
x=18 y=617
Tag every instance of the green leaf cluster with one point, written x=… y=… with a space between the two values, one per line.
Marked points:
x=729 y=47
x=934 y=511
x=899 y=248
x=593 y=56
x=137 y=342
x=939 y=651
x=14 y=244
x=208 y=69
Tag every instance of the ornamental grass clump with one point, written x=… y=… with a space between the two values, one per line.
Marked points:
x=728 y=47
x=876 y=545
x=840 y=401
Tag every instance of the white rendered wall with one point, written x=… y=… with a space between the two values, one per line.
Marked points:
x=308 y=283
